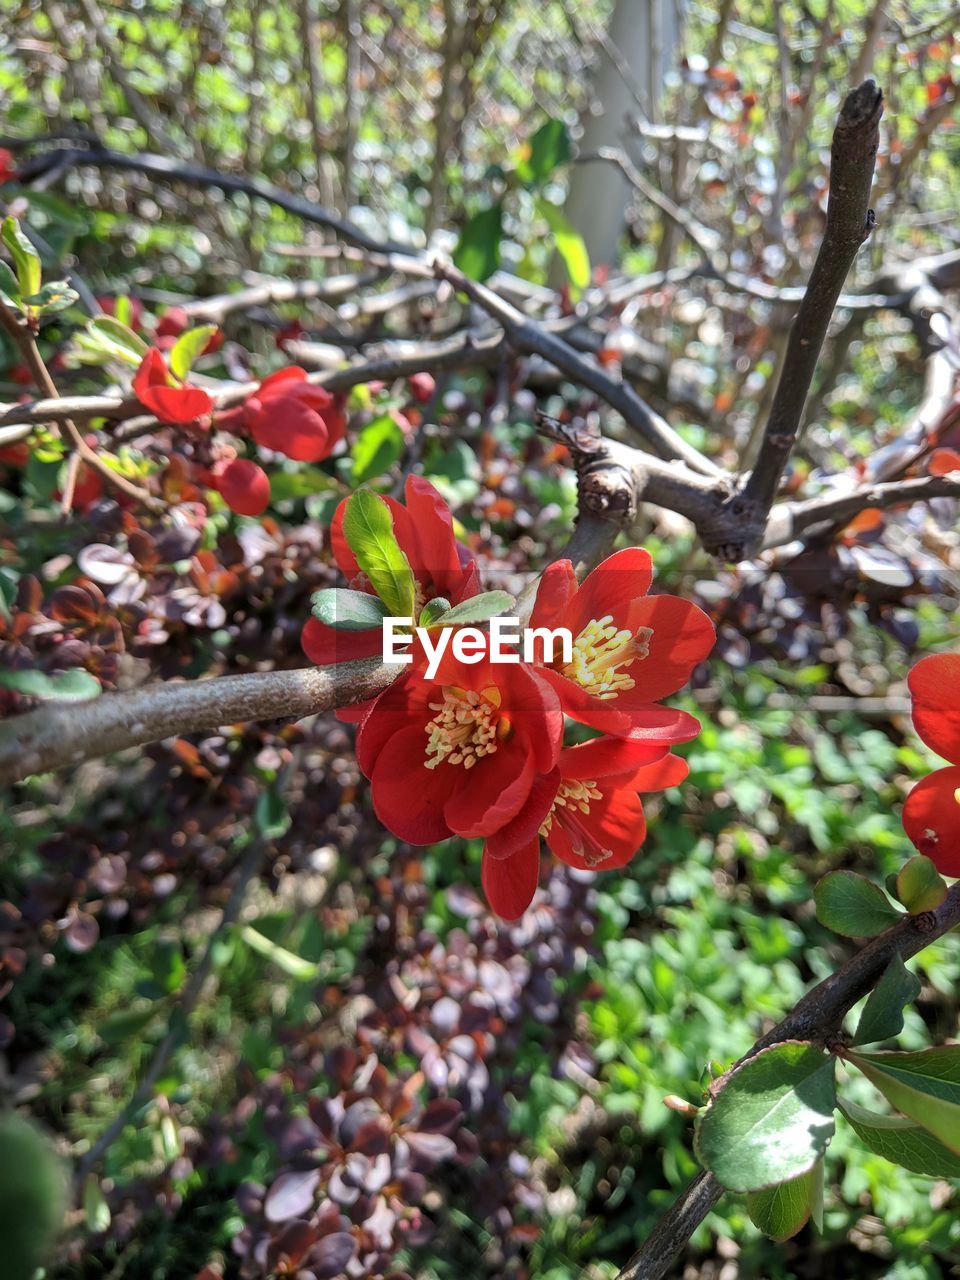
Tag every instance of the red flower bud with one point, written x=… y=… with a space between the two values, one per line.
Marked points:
x=244 y=486
x=292 y=416
x=422 y=386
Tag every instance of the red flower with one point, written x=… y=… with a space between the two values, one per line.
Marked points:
x=629 y=650
x=459 y=754
x=7 y=165
x=931 y=815
x=422 y=387
x=424 y=530
x=290 y=415
x=244 y=486
x=588 y=810
x=174 y=322
x=171 y=401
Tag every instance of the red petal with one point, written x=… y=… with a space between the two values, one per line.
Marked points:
x=683 y=635
x=292 y=428
x=620 y=580
x=510 y=883
x=436 y=553
x=524 y=827
x=409 y=798
x=556 y=589
x=615 y=823
x=152 y=372
x=486 y=797
x=404 y=703
x=175 y=404
x=280 y=380
x=668 y=772
x=931 y=818
x=324 y=645
x=935 y=687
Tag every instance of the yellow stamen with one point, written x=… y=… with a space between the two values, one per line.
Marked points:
x=600 y=650
x=574 y=798
x=467 y=727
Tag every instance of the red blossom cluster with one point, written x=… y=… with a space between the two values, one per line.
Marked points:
x=478 y=751
x=931 y=815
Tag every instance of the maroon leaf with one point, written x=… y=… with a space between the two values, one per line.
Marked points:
x=332 y=1255
x=291 y=1195
x=291 y=1245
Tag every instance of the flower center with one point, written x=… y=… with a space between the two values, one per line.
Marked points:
x=600 y=650
x=570 y=806
x=468 y=725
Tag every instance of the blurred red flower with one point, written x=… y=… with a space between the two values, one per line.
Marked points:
x=244 y=486
x=292 y=416
x=931 y=815
x=441 y=565
x=174 y=322
x=587 y=809
x=172 y=401
x=629 y=649
x=7 y=165
x=458 y=755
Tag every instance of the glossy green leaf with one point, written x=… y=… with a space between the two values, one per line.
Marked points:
x=781 y=1211
x=433 y=610
x=368 y=529
x=570 y=245
x=920 y=886
x=852 y=906
x=271 y=815
x=546 y=151
x=901 y=1141
x=478 y=250
x=882 y=1016
x=115 y=340
x=26 y=260
x=771 y=1119
x=378 y=446
x=924 y=1086
x=348 y=610
x=188 y=347
x=287 y=961
x=481 y=608
x=53 y=297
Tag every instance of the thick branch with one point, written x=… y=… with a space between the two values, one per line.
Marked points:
x=817 y=1017
x=855 y=143
x=56 y=736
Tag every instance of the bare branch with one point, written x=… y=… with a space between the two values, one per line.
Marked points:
x=57 y=735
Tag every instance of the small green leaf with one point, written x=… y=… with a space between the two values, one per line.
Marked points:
x=55 y=296
x=126 y=1023
x=167 y=967
x=271 y=815
x=902 y=1142
x=490 y=604
x=433 y=611
x=68 y=686
x=294 y=965
x=169 y=1138
x=781 y=1211
x=368 y=529
x=116 y=340
x=852 y=906
x=26 y=260
x=378 y=446
x=188 y=347
x=478 y=250
x=570 y=245
x=348 y=610
x=547 y=150
x=9 y=286
x=304 y=482
x=882 y=1016
x=95 y=1207
x=924 y=1086
x=771 y=1119
x=920 y=887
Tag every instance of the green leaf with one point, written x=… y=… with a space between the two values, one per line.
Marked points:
x=433 y=610
x=26 y=260
x=368 y=529
x=188 y=347
x=126 y=1023
x=294 y=965
x=771 y=1119
x=55 y=296
x=489 y=604
x=167 y=967
x=348 y=610
x=68 y=686
x=116 y=340
x=9 y=286
x=852 y=906
x=33 y=1190
x=271 y=815
x=924 y=1086
x=570 y=245
x=546 y=151
x=305 y=482
x=95 y=1207
x=882 y=1016
x=376 y=449
x=920 y=887
x=902 y=1142
x=781 y=1211
x=478 y=250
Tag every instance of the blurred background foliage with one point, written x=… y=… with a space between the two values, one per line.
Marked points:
x=513 y=1077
